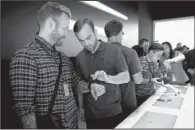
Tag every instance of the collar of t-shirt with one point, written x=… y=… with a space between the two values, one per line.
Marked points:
x=100 y=48
x=45 y=44
x=116 y=43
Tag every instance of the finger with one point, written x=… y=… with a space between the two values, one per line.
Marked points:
x=101 y=90
x=92 y=76
x=82 y=117
x=102 y=73
x=95 y=75
x=93 y=93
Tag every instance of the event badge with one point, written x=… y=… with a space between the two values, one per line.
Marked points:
x=66 y=90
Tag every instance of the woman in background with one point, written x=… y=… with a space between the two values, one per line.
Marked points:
x=176 y=65
x=168 y=51
x=167 y=54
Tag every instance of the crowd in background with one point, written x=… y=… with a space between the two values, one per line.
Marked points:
x=183 y=69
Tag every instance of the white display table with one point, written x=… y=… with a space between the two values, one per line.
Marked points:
x=178 y=113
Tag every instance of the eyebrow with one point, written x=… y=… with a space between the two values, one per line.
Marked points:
x=85 y=38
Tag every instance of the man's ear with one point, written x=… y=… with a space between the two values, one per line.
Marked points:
x=50 y=25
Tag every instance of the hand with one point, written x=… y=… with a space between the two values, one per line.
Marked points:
x=97 y=90
x=168 y=61
x=191 y=71
x=82 y=114
x=101 y=76
x=29 y=121
x=83 y=87
x=167 y=65
x=155 y=80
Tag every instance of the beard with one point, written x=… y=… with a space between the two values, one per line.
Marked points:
x=60 y=41
x=93 y=46
x=57 y=38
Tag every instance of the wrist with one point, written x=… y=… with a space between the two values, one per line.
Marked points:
x=172 y=61
x=89 y=86
x=80 y=107
x=109 y=79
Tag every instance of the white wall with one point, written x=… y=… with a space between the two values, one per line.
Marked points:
x=177 y=30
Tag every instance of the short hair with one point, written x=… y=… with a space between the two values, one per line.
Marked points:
x=113 y=28
x=80 y=23
x=141 y=41
x=51 y=9
x=156 y=47
x=181 y=49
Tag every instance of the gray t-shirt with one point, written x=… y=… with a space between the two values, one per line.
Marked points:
x=110 y=59
x=128 y=90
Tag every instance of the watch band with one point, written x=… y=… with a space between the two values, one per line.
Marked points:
x=89 y=86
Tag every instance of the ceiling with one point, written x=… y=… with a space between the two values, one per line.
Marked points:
x=171 y=9
x=168 y=9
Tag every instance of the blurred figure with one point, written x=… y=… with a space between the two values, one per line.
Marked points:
x=142 y=47
x=179 y=74
x=190 y=65
x=168 y=51
x=167 y=54
x=188 y=49
x=185 y=49
x=179 y=45
x=150 y=72
x=114 y=32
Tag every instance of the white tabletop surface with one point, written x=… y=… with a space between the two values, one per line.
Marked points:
x=185 y=115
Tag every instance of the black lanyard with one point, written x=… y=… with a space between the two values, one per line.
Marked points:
x=57 y=80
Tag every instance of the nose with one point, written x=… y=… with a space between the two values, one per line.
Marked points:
x=86 y=43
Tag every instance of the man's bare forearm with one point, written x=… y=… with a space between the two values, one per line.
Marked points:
x=145 y=81
x=120 y=78
x=137 y=78
x=80 y=99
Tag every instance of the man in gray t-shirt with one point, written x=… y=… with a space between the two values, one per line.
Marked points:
x=114 y=32
x=100 y=64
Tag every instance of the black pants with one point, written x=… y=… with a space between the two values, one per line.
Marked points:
x=104 y=123
x=141 y=99
x=127 y=111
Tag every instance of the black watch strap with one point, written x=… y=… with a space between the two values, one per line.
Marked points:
x=89 y=86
